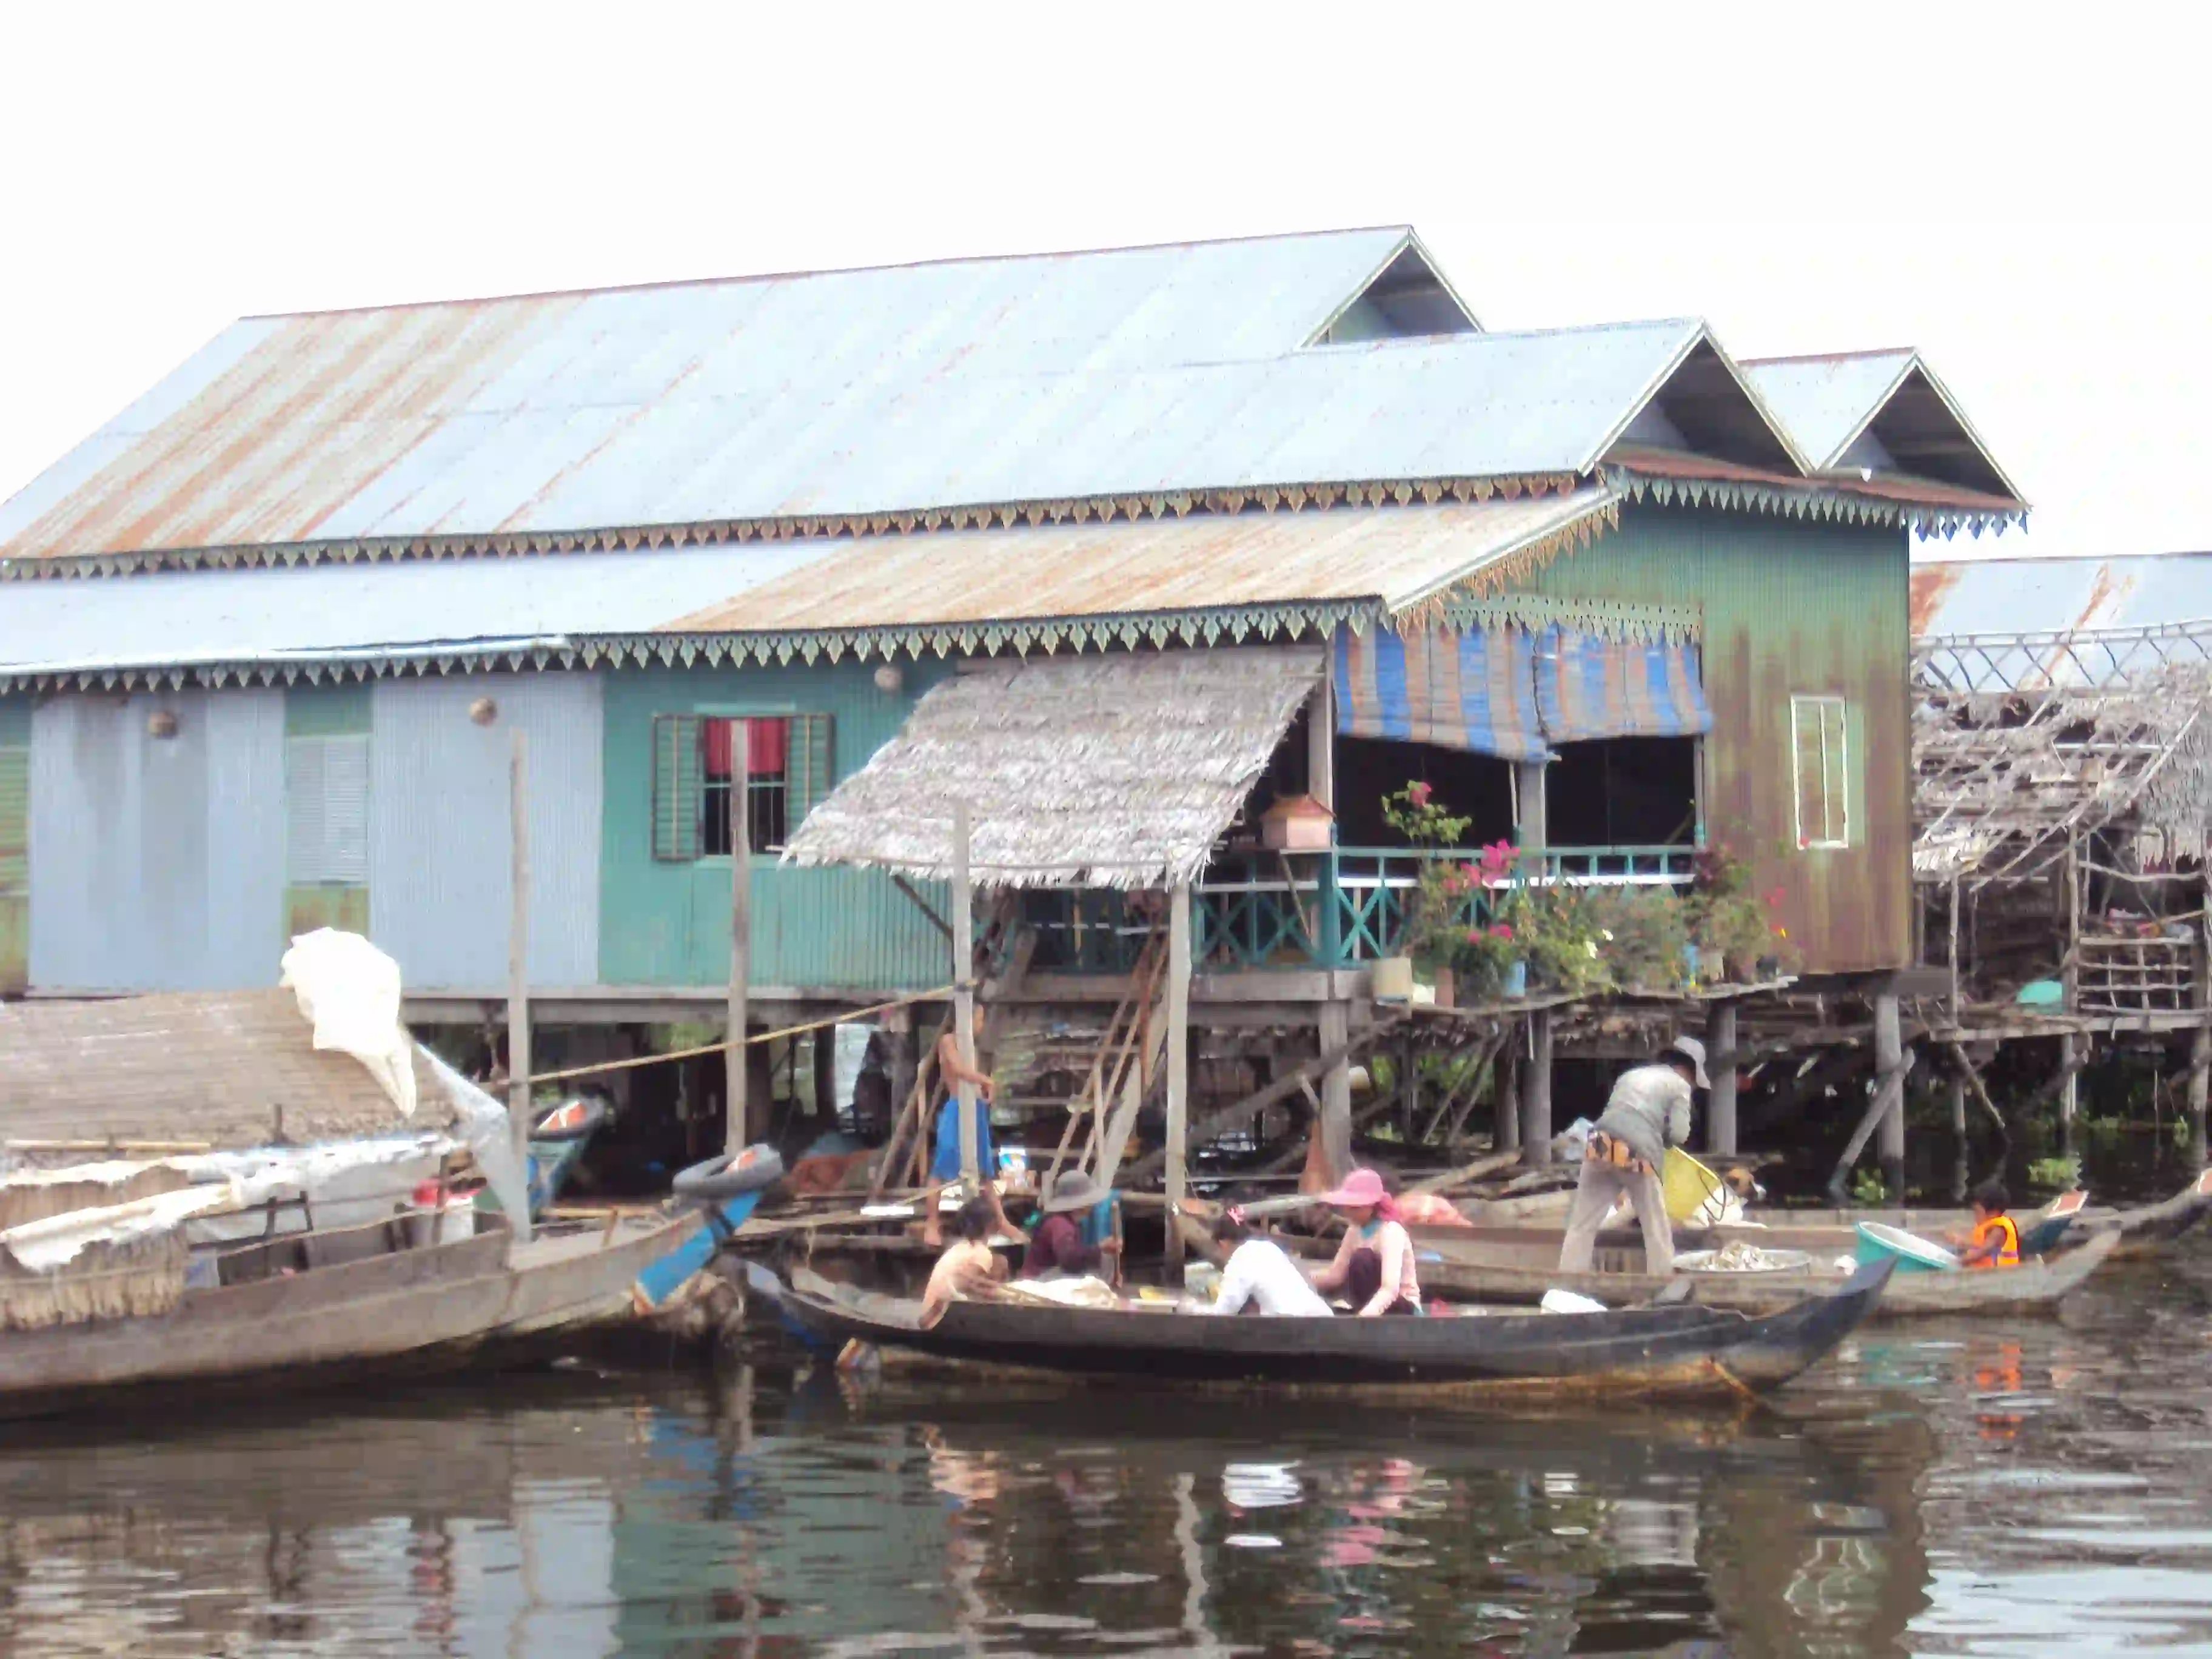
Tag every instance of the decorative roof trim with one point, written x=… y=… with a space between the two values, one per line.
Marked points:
x=1217 y=626
x=1816 y=504
x=1266 y=498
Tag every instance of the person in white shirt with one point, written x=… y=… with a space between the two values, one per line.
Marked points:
x=1260 y=1273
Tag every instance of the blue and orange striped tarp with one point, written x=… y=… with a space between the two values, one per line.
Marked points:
x=1505 y=691
x=1475 y=690
x=1587 y=686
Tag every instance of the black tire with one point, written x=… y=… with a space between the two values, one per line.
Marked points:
x=725 y=1177
x=594 y=1120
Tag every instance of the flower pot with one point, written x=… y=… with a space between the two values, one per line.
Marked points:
x=1447 y=989
x=1766 y=969
x=1694 y=964
x=1514 y=981
x=1394 y=979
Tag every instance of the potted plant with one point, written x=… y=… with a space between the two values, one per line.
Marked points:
x=1735 y=926
x=1426 y=934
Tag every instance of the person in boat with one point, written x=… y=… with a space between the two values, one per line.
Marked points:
x=969 y=1268
x=1260 y=1274
x=1374 y=1265
x=952 y=1071
x=1995 y=1240
x=1058 y=1244
x=1648 y=1111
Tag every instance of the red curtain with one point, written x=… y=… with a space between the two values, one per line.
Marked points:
x=768 y=744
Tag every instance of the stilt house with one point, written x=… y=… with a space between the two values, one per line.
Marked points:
x=1115 y=549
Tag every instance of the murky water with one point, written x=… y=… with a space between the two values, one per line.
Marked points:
x=1965 y=1489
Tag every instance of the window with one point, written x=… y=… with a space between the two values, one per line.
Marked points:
x=695 y=783
x=1820 y=770
x=326 y=736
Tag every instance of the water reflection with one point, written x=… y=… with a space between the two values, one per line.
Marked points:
x=1973 y=1489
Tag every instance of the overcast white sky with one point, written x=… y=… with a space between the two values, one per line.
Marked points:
x=2022 y=198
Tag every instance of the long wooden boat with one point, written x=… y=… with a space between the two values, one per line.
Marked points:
x=1519 y=1265
x=340 y=1305
x=1656 y=1352
x=2145 y=1231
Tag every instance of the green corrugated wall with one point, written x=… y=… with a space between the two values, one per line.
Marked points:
x=325 y=711
x=667 y=923
x=1789 y=608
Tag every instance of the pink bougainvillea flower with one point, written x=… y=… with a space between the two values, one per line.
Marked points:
x=1502 y=930
x=1474 y=935
x=1418 y=793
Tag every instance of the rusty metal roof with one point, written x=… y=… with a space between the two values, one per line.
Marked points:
x=1205 y=577
x=2060 y=596
x=1871 y=412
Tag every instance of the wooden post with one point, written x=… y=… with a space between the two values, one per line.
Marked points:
x=2200 y=1040
x=825 y=1074
x=1959 y=1170
x=1335 y=1019
x=1320 y=745
x=1888 y=1061
x=1528 y=780
x=1954 y=950
x=1536 y=1091
x=1178 y=1126
x=517 y=940
x=1505 y=1086
x=964 y=994
x=736 y=1095
x=1720 y=1044
x=2069 y=1095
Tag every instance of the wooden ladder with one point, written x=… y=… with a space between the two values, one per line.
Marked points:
x=1130 y=1054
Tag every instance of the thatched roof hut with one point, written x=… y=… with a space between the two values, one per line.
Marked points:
x=1092 y=771
x=226 y=1069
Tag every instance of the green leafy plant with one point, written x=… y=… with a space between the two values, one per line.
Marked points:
x=1643 y=932
x=2061 y=1172
x=1868 y=1187
x=1415 y=813
x=1730 y=920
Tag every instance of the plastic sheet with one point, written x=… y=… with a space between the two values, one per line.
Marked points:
x=350 y=990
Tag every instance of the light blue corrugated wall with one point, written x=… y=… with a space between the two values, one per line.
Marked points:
x=157 y=863
x=438 y=843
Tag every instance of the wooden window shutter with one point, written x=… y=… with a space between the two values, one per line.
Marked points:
x=14 y=819
x=809 y=773
x=676 y=787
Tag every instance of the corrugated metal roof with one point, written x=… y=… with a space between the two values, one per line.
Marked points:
x=1856 y=412
x=1396 y=556
x=1826 y=401
x=2037 y=596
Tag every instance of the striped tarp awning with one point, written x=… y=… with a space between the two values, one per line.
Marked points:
x=1473 y=690
x=1588 y=687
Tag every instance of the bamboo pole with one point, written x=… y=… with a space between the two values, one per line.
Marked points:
x=1536 y=1091
x=1178 y=988
x=735 y=1129
x=964 y=994
x=1720 y=1113
x=518 y=942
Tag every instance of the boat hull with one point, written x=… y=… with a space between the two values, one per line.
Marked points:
x=1664 y=1352
x=416 y=1310
x=1482 y=1267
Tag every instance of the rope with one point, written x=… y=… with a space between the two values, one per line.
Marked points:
x=931 y=995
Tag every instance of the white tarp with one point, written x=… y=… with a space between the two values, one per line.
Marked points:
x=485 y=1126
x=349 y=991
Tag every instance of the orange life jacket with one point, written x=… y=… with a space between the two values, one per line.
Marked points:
x=2002 y=1230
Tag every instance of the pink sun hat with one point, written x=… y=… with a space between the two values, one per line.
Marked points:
x=1361 y=1188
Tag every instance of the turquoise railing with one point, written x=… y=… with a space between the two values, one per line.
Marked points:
x=1333 y=909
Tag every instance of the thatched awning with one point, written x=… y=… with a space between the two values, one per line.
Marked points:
x=1105 y=771
x=216 y=1067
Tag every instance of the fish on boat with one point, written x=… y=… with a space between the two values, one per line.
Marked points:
x=1519 y=1265
x=1677 y=1351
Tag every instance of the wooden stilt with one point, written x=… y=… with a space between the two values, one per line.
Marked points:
x=1336 y=1020
x=736 y=1091
x=1889 y=1062
x=1720 y=1064
x=1178 y=1125
x=517 y=943
x=1536 y=1091
x=964 y=993
x=1957 y=1091
x=1505 y=1091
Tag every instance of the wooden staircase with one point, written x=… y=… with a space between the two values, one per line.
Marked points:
x=1130 y=1054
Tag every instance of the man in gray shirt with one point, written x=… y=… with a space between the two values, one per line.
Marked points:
x=1648 y=1111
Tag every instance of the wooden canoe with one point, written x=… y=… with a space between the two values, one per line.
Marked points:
x=339 y=1306
x=1665 y=1351
x=1517 y=1265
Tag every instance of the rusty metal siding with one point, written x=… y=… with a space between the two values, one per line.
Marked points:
x=1789 y=607
x=439 y=858
x=157 y=864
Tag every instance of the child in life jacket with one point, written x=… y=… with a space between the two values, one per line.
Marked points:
x=1995 y=1241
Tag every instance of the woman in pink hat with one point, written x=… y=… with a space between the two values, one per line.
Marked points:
x=1374 y=1265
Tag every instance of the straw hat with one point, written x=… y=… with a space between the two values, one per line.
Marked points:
x=1073 y=1190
